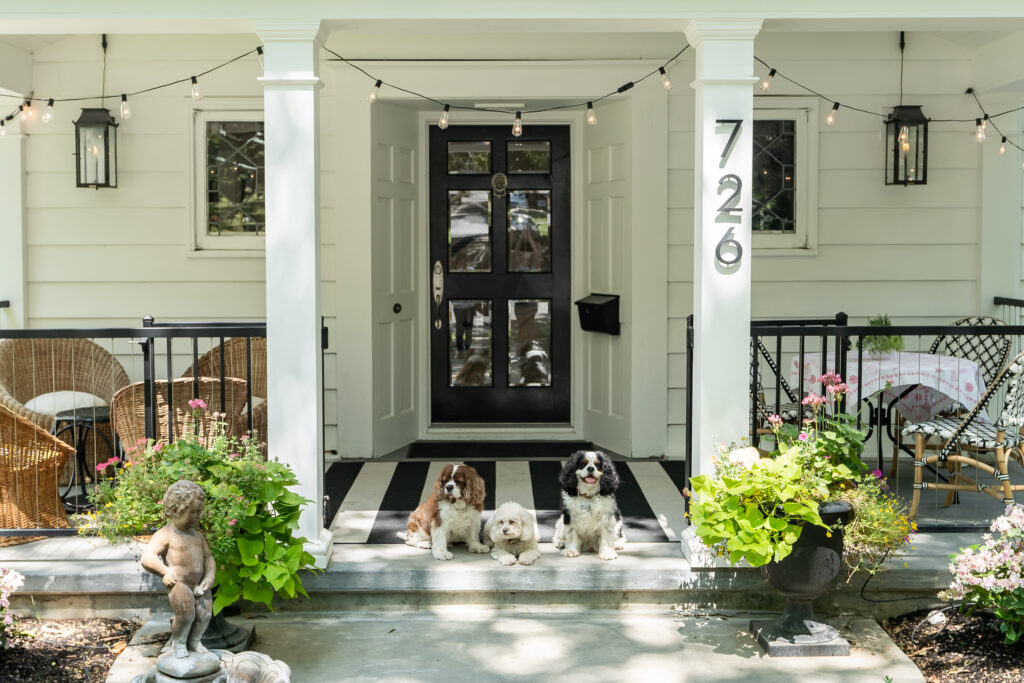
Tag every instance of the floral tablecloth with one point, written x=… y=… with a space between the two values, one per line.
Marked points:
x=939 y=381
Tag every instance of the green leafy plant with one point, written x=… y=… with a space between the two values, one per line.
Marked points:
x=754 y=508
x=880 y=528
x=881 y=344
x=990 y=575
x=249 y=519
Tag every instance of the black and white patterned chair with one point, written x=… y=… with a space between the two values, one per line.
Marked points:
x=971 y=442
x=789 y=408
x=988 y=351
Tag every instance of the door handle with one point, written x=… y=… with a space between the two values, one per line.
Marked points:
x=437 y=282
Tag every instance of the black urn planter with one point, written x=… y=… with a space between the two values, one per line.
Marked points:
x=807 y=572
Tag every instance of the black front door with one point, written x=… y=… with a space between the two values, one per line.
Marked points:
x=500 y=278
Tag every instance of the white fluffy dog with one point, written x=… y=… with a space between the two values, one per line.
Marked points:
x=513 y=534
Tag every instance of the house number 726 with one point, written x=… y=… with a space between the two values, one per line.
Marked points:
x=728 y=251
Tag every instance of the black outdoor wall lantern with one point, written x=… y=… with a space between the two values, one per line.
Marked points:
x=96 y=149
x=906 y=146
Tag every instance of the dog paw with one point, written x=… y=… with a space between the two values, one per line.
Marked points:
x=558 y=543
x=620 y=544
x=529 y=558
x=507 y=560
x=607 y=554
x=442 y=554
x=479 y=548
x=570 y=552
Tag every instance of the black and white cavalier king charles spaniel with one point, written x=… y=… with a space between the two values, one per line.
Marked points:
x=590 y=516
x=451 y=514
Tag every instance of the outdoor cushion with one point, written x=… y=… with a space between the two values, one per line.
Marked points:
x=58 y=401
x=978 y=435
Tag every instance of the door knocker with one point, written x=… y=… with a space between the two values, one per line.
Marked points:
x=499 y=183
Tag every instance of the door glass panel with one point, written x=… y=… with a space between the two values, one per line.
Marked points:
x=529 y=342
x=469 y=344
x=469 y=157
x=529 y=156
x=469 y=231
x=529 y=238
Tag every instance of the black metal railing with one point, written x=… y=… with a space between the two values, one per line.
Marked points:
x=110 y=357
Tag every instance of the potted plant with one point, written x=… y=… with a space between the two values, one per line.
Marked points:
x=786 y=514
x=249 y=519
x=881 y=346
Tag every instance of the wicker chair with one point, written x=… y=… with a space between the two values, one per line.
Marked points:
x=789 y=410
x=970 y=442
x=31 y=460
x=128 y=409
x=30 y=368
x=236 y=365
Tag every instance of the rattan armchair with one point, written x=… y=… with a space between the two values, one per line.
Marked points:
x=237 y=364
x=30 y=368
x=128 y=410
x=31 y=460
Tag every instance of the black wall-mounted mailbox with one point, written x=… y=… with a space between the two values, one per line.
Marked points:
x=599 y=313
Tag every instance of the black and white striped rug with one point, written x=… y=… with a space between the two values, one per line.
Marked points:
x=370 y=501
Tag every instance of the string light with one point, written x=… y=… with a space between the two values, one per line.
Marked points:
x=591 y=116
x=984 y=122
x=48 y=114
x=24 y=114
x=831 y=118
x=195 y=89
x=979 y=131
x=767 y=83
x=664 y=78
x=3 y=128
x=126 y=111
x=517 y=126
x=372 y=97
x=443 y=123
x=259 y=56
x=1002 y=146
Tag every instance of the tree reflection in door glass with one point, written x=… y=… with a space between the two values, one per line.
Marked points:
x=469 y=342
x=529 y=342
x=469 y=231
x=529 y=231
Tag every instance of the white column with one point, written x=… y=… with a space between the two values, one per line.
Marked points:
x=292 y=118
x=12 y=226
x=721 y=292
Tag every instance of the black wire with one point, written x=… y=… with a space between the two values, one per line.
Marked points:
x=992 y=123
x=945 y=625
x=495 y=110
x=815 y=92
x=871 y=576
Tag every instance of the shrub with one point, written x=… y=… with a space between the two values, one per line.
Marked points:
x=880 y=528
x=989 y=575
x=10 y=581
x=248 y=521
x=880 y=344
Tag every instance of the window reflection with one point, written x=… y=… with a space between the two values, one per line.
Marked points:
x=469 y=343
x=529 y=342
x=529 y=156
x=469 y=157
x=529 y=231
x=469 y=231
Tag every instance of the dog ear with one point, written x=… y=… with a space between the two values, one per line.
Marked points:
x=445 y=475
x=609 y=476
x=526 y=521
x=568 y=478
x=475 y=489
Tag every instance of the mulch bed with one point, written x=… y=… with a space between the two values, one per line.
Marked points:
x=59 y=650
x=967 y=650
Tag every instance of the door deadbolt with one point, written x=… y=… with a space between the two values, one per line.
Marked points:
x=397 y=308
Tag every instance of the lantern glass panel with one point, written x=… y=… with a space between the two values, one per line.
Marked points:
x=906 y=147
x=92 y=154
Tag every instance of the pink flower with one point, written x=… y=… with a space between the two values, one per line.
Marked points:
x=232 y=522
x=775 y=420
x=803 y=436
x=156 y=448
x=140 y=442
x=197 y=403
x=877 y=474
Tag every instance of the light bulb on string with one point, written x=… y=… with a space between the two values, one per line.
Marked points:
x=664 y=78
x=48 y=114
x=126 y=111
x=831 y=118
x=979 y=131
x=984 y=122
x=766 y=83
x=24 y=114
x=443 y=122
x=591 y=116
x=259 y=56
x=195 y=89
x=517 y=125
x=372 y=97
x=1002 y=146
x=3 y=128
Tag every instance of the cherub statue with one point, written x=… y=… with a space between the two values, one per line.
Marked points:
x=178 y=554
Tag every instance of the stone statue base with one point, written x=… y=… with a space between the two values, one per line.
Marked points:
x=218 y=666
x=196 y=665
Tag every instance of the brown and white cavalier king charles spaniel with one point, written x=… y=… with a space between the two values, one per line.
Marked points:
x=450 y=515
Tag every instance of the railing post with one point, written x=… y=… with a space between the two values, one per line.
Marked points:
x=688 y=463
x=149 y=380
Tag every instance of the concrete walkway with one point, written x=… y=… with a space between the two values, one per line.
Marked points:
x=478 y=643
